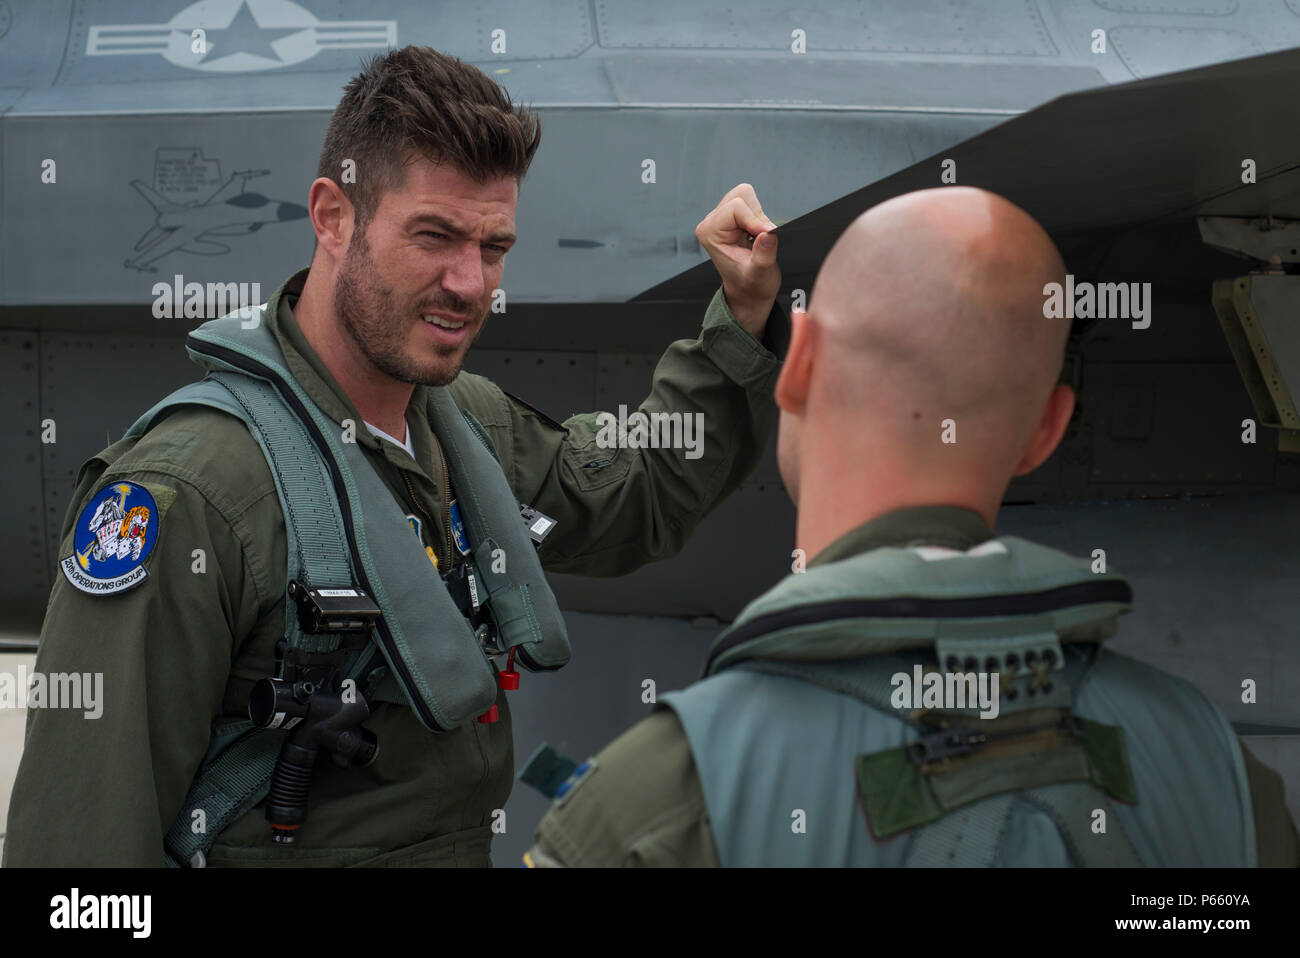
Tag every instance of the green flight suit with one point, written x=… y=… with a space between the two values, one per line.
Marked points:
x=642 y=804
x=187 y=644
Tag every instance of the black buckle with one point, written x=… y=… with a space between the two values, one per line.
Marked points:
x=951 y=743
x=939 y=746
x=344 y=609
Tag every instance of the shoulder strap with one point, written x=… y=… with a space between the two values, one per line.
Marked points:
x=313 y=526
x=343 y=529
x=526 y=614
x=897 y=599
x=234 y=777
x=236 y=773
x=1038 y=751
x=448 y=681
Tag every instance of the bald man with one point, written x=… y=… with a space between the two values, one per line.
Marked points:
x=924 y=692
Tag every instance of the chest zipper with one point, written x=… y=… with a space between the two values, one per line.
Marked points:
x=444 y=559
x=446 y=498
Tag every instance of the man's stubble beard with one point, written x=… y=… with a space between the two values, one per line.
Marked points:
x=368 y=310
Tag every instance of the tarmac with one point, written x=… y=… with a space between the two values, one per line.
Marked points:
x=12 y=723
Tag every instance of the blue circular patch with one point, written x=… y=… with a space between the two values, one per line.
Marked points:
x=114 y=535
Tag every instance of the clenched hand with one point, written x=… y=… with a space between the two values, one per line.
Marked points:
x=738 y=237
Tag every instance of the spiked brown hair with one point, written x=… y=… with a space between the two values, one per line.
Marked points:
x=417 y=102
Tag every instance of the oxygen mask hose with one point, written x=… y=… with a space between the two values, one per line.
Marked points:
x=322 y=719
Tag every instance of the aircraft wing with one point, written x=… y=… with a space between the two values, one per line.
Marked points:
x=808 y=104
x=152 y=235
x=1100 y=159
x=155 y=199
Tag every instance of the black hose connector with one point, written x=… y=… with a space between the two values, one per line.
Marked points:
x=321 y=718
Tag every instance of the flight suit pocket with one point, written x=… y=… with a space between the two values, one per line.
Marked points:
x=593 y=464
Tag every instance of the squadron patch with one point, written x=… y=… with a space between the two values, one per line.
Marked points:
x=112 y=538
x=415 y=525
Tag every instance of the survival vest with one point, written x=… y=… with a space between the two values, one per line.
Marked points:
x=814 y=747
x=345 y=531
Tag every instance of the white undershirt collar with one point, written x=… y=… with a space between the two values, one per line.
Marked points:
x=404 y=443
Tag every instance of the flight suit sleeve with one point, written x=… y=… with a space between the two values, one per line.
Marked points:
x=618 y=507
x=640 y=805
x=1276 y=840
x=100 y=785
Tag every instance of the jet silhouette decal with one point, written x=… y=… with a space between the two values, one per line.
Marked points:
x=188 y=228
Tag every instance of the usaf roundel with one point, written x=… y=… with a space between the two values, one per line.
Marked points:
x=114 y=535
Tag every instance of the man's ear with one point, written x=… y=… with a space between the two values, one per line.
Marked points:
x=796 y=372
x=331 y=215
x=1050 y=429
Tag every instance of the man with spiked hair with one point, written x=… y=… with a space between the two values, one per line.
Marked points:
x=413 y=211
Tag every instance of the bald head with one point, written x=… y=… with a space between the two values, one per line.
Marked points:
x=929 y=308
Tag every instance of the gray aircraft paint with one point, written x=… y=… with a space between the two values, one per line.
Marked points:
x=866 y=114
x=103 y=91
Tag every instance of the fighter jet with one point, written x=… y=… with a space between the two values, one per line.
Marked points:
x=229 y=211
x=1125 y=128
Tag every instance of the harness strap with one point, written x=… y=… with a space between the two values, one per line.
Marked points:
x=223 y=791
x=237 y=770
x=342 y=529
x=312 y=522
x=1072 y=808
x=958 y=783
